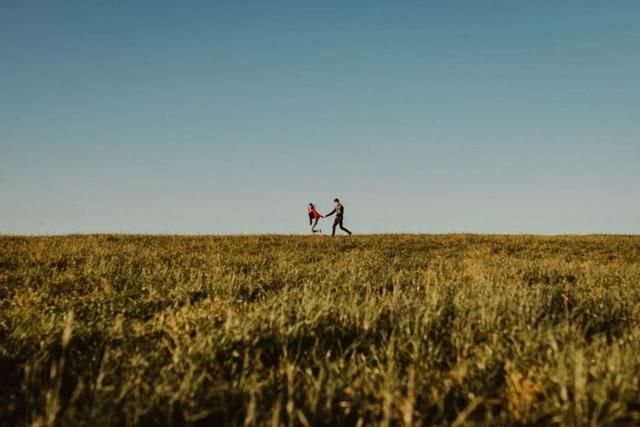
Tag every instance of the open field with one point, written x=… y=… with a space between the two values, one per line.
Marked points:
x=274 y=330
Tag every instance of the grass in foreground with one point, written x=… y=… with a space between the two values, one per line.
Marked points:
x=269 y=330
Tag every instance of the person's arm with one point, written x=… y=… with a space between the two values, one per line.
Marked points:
x=330 y=213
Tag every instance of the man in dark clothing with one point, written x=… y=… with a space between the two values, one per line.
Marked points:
x=339 y=211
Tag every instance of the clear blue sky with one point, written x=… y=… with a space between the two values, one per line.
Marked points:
x=230 y=116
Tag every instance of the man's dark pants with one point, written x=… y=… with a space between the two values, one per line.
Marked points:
x=336 y=222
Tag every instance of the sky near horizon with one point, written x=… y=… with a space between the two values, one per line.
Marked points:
x=230 y=116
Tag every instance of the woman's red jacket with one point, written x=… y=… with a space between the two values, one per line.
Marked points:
x=315 y=213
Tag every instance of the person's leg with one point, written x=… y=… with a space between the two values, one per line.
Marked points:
x=335 y=224
x=342 y=227
x=315 y=224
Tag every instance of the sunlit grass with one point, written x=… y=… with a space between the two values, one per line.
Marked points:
x=273 y=330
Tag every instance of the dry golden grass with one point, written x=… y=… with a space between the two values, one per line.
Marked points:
x=274 y=330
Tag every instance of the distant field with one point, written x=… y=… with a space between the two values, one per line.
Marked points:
x=274 y=330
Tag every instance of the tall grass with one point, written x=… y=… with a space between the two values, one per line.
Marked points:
x=272 y=330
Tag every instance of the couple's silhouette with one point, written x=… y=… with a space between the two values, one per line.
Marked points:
x=314 y=217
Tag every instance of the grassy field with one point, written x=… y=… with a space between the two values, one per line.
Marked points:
x=274 y=330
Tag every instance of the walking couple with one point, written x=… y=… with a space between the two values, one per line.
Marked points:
x=314 y=216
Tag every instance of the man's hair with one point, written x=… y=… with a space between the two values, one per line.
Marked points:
x=336 y=200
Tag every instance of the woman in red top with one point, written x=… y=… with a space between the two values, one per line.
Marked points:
x=314 y=216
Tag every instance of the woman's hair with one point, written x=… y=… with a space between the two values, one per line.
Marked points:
x=311 y=204
x=336 y=200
